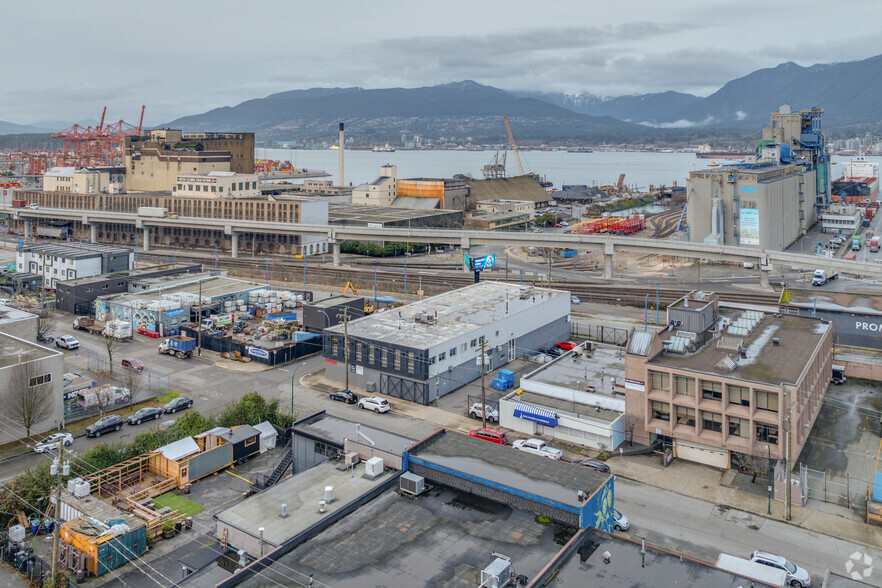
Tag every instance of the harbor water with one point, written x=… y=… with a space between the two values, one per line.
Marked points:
x=641 y=169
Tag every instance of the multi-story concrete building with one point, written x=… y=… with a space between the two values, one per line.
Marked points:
x=239 y=145
x=381 y=192
x=30 y=373
x=719 y=387
x=770 y=199
x=424 y=350
x=68 y=261
x=501 y=205
x=841 y=219
x=110 y=180
x=219 y=184
x=155 y=162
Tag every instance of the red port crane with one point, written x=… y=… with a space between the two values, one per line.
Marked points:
x=102 y=145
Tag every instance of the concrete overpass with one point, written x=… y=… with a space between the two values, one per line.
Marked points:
x=607 y=244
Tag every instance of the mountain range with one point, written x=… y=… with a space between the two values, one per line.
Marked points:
x=467 y=111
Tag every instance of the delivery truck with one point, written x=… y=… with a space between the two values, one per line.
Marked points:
x=84 y=323
x=821 y=277
x=152 y=211
x=180 y=346
x=752 y=570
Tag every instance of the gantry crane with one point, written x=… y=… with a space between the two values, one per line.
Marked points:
x=514 y=147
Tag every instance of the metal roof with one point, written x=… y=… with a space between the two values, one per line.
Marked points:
x=179 y=449
x=75 y=250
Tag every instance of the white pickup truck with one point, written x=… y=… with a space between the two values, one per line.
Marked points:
x=538 y=447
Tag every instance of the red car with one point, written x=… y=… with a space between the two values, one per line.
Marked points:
x=491 y=435
x=566 y=345
x=134 y=364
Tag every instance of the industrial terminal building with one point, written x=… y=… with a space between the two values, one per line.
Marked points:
x=718 y=386
x=424 y=350
x=769 y=200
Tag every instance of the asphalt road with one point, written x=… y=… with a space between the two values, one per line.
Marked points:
x=692 y=527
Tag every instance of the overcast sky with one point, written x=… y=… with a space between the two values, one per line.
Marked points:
x=65 y=60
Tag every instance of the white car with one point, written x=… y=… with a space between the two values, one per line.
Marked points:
x=537 y=447
x=796 y=576
x=575 y=300
x=476 y=411
x=621 y=521
x=52 y=441
x=375 y=404
x=67 y=342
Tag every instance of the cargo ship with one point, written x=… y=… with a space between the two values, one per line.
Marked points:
x=723 y=154
x=859 y=181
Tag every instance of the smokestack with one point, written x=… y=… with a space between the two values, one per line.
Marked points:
x=342 y=182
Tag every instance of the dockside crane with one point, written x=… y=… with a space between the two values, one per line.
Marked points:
x=514 y=147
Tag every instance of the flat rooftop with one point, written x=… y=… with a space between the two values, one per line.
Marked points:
x=129 y=275
x=555 y=480
x=836 y=301
x=79 y=249
x=440 y=538
x=458 y=312
x=9 y=314
x=14 y=350
x=340 y=213
x=603 y=368
x=338 y=430
x=626 y=568
x=565 y=407
x=301 y=493
x=335 y=301
x=211 y=288
x=765 y=362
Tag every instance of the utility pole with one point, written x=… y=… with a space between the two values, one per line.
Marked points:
x=61 y=469
x=788 y=422
x=199 y=323
x=483 y=397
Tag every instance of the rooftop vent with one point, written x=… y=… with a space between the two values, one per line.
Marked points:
x=776 y=341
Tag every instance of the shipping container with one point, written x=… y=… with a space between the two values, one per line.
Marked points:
x=19 y=204
x=152 y=211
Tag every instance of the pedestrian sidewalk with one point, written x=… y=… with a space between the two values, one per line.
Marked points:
x=682 y=477
x=710 y=484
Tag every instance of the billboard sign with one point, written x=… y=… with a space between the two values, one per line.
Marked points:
x=749 y=226
x=257 y=352
x=482 y=263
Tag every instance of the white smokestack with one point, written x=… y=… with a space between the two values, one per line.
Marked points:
x=342 y=181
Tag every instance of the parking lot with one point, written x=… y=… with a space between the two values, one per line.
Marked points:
x=842 y=449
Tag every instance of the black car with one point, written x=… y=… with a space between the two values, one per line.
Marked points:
x=148 y=413
x=179 y=403
x=106 y=424
x=555 y=352
x=596 y=465
x=345 y=395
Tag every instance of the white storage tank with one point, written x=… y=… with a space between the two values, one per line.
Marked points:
x=329 y=494
x=16 y=533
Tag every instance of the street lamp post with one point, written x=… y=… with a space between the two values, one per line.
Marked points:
x=769 y=449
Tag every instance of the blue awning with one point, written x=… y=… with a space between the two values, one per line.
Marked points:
x=542 y=416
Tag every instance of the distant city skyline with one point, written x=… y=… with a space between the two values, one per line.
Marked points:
x=69 y=60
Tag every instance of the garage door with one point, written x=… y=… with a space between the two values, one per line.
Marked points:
x=712 y=456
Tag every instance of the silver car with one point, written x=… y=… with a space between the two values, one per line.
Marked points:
x=621 y=521
x=796 y=576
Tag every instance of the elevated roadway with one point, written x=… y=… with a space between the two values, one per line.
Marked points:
x=336 y=234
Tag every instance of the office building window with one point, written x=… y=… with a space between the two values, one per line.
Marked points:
x=661 y=411
x=711 y=421
x=685 y=416
x=685 y=386
x=660 y=381
x=767 y=433
x=397 y=363
x=739 y=427
x=442 y=356
x=371 y=354
x=384 y=358
x=410 y=363
x=712 y=390
x=767 y=401
x=739 y=395
x=452 y=351
x=357 y=351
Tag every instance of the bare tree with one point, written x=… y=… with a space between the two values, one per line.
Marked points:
x=133 y=380
x=29 y=395
x=111 y=345
x=105 y=396
x=756 y=465
x=45 y=324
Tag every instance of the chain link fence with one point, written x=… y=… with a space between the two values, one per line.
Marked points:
x=835 y=489
x=122 y=388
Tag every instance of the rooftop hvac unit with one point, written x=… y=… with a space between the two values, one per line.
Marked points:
x=412 y=484
x=374 y=467
x=497 y=574
x=352 y=458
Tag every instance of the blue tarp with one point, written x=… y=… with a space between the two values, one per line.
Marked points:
x=877 y=488
x=534 y=413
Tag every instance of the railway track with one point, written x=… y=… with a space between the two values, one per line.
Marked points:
x=392 y=279
x=665 y=224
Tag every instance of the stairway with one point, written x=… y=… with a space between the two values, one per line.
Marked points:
x=281 y=468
